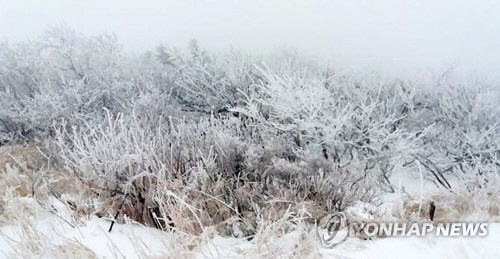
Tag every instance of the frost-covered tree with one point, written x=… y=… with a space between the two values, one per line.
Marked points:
x=182 y=134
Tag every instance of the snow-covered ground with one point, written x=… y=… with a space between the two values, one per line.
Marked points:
x=132 y=241
x=52 y=236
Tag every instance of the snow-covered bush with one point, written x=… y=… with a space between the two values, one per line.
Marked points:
x=71 y=76
x=462 y=119
x=342 y=120
x=215 y=158
x=63 y=75
x=225 y=138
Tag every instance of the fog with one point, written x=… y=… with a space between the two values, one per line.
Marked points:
x=387 y=35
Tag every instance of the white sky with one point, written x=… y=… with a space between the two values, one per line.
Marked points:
x=392 y=35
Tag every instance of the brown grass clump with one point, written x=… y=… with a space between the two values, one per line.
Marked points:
x=26 y=172
x=25 y=161
x=454 y=207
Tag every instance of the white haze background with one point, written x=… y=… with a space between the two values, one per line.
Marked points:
x=390 y=36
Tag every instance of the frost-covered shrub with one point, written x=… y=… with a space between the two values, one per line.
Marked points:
x=75 y=77
x=208 y=84
x=339 y=119
x=462 y=129
x=195 y=160
x=63 y=75
x=213 y=138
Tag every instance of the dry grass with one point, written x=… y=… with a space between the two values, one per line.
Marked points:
x=29 y=181
x=278 y=227
x=453 y=207
x=25 y=171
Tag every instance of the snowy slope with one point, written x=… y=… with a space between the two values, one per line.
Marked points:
x=129 y=241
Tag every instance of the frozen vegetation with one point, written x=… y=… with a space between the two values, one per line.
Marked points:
x=208 y=149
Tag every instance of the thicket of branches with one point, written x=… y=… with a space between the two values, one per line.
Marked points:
x=182 y=134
